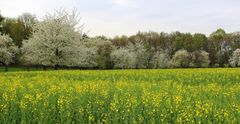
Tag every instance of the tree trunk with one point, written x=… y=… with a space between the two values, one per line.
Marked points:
x=6 y=68
x=57 y=54
x=56 y=67
x=44 y=68
x=28 y=68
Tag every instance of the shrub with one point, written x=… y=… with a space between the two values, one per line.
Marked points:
x=181 y=59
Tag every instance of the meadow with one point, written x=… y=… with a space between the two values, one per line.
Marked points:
x=121 y=96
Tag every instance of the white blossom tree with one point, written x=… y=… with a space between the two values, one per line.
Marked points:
x=86 y=58
x=200 y=58
x=235 y=59
x=181 y=59
x=7 y=50
x=140 y=54
x=27 y=19
x=56 y=41
x=123 y=58
x=160 y=60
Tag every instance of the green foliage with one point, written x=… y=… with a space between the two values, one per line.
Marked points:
x=199 y=41
x=15 y=30
x=1 y=17
x=103 y=48
x=18 y=29
x=214 y=45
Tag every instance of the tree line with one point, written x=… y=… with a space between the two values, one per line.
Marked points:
x=58 y=41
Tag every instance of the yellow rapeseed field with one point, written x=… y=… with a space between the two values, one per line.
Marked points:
x=121 y=96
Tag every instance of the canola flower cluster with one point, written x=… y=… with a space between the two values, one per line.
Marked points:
x=121 y=96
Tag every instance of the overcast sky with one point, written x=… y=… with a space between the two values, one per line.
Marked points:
x=118 y=17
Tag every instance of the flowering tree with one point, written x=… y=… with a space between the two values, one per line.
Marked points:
x=7 y=50
x=140 y=54
x=160 y=60
x=56 y=41
x=200 y=58
x=86 y=57
x=235 y=59
x=181 y=59
x=123 y=58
